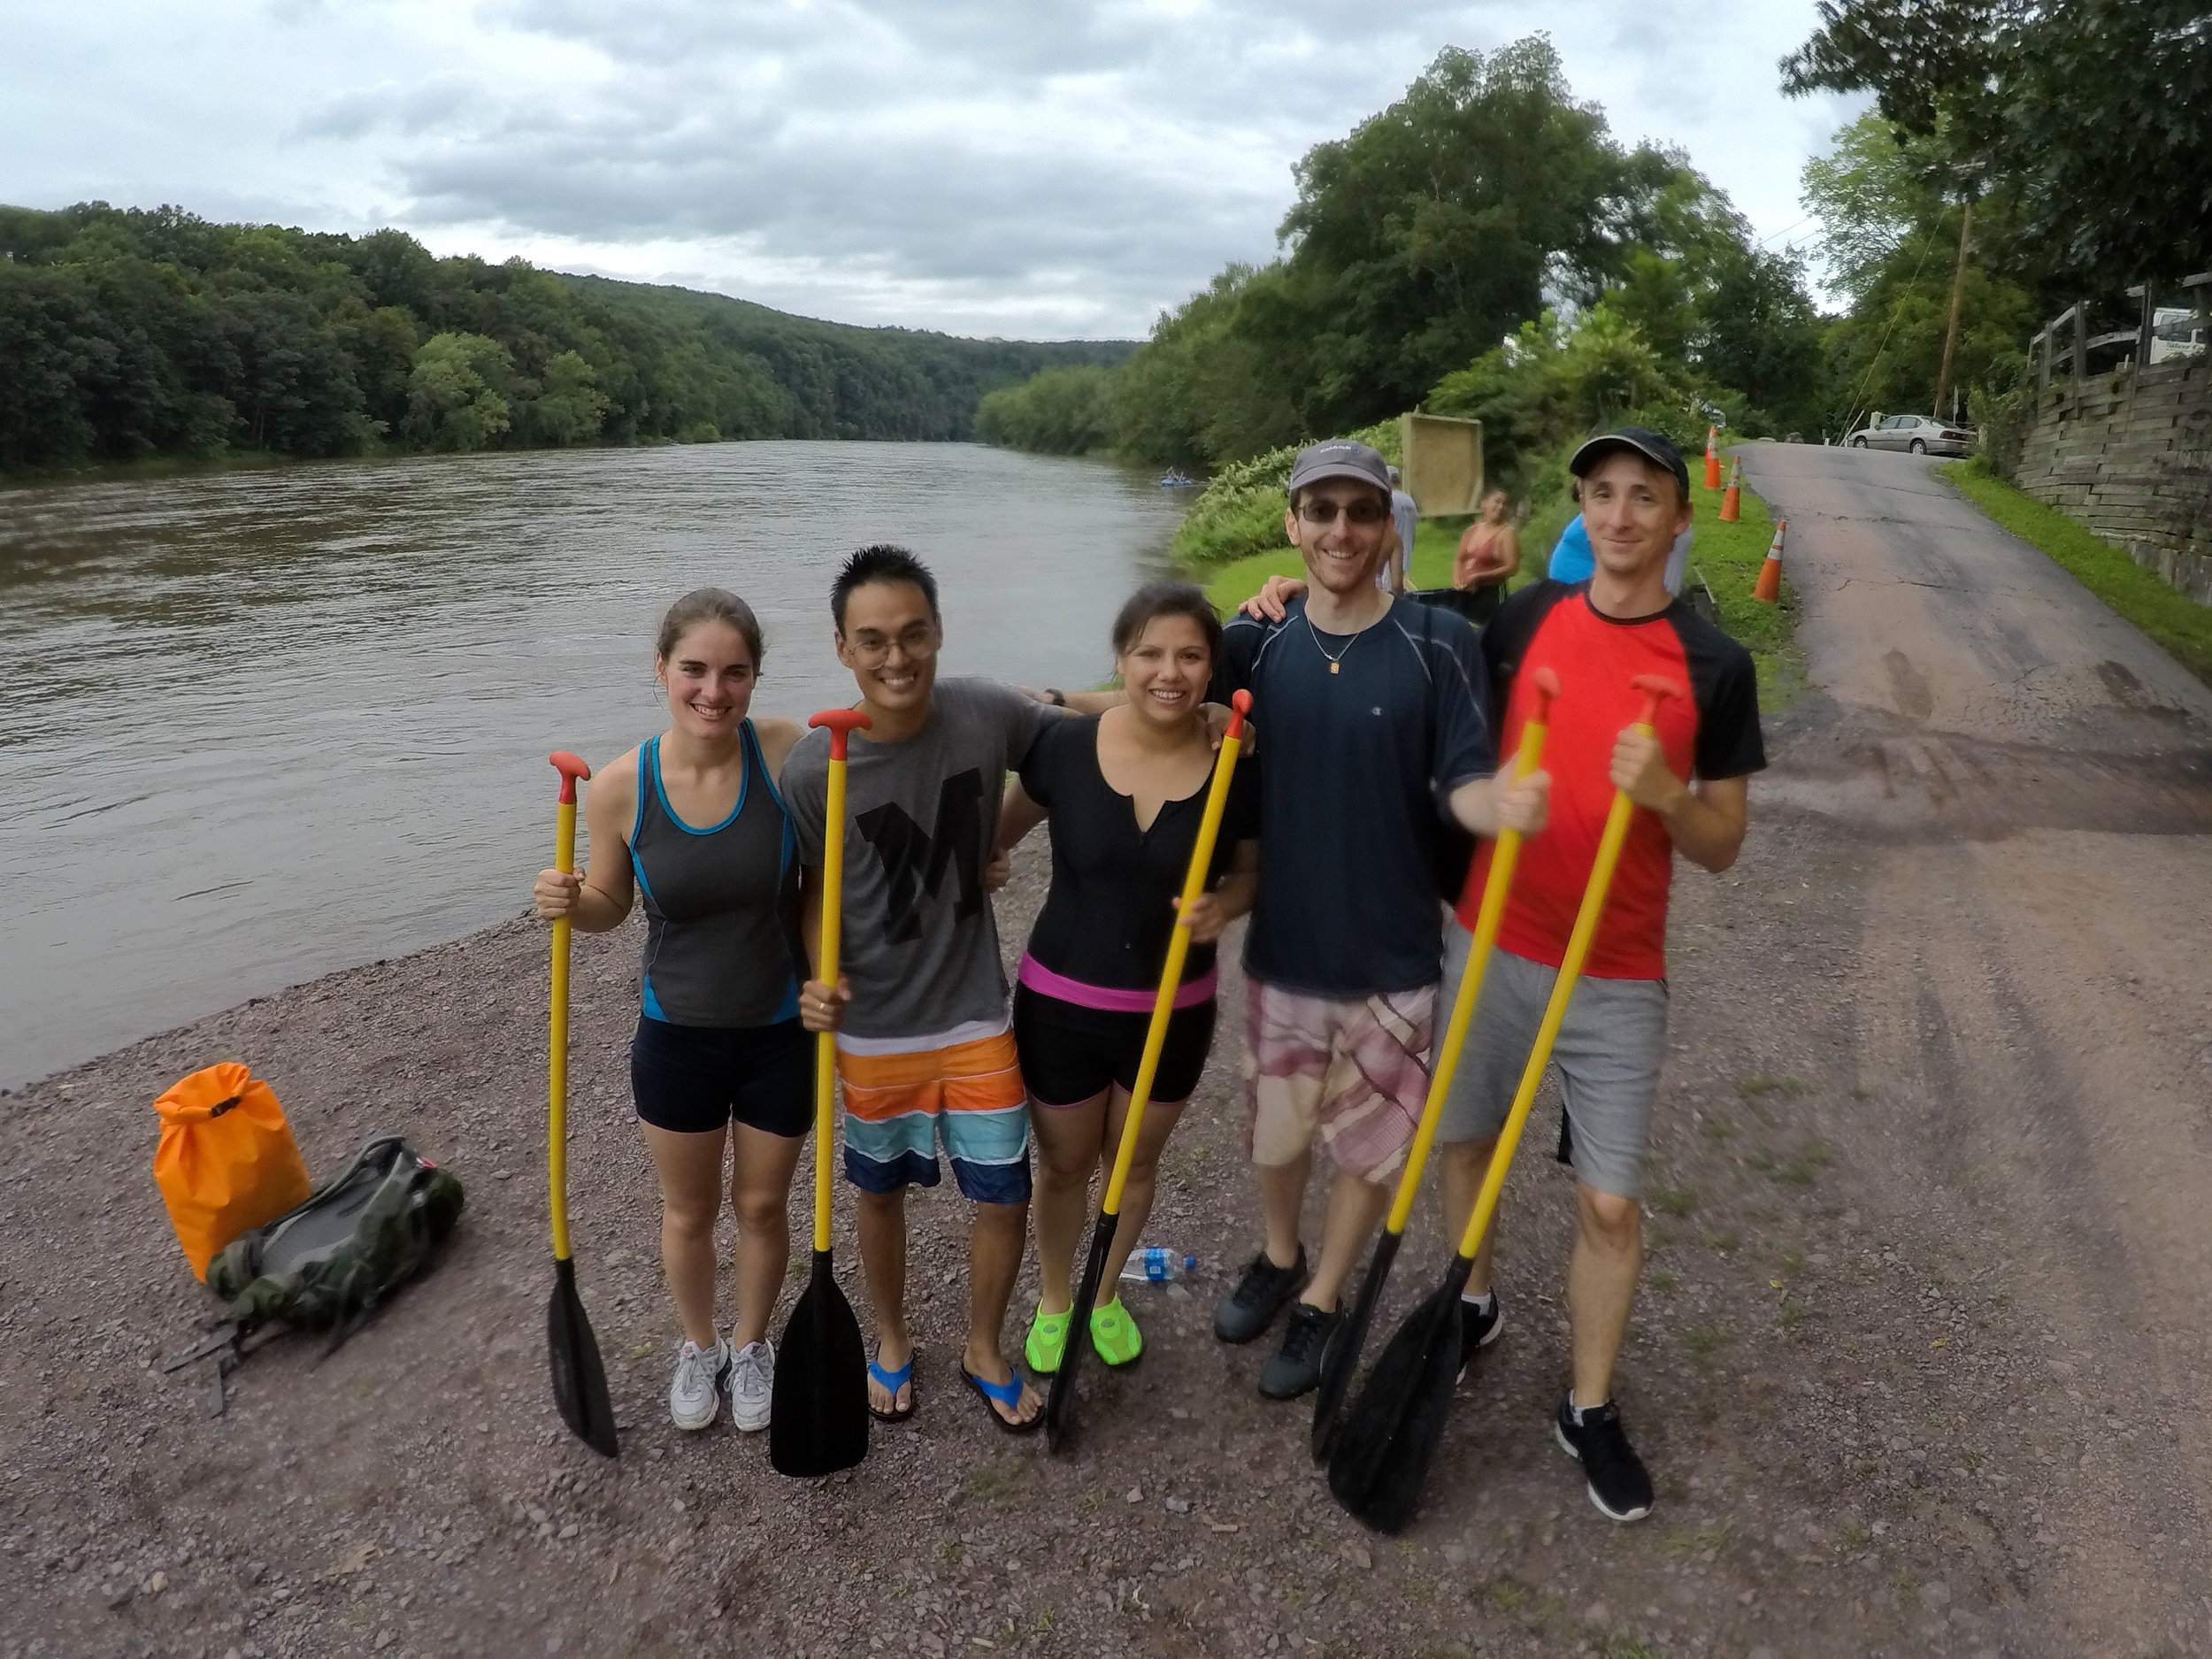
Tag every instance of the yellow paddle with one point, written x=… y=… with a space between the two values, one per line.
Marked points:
x=580 y=1380
x=818 y=1421
x=1343 y=1356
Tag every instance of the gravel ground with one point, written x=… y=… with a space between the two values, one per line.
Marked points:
x=1919 y=1362
x=1857 y=1420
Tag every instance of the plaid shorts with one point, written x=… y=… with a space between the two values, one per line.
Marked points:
x=967 y=1094
x=1354 y=1072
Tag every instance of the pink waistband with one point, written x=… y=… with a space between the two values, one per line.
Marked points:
x=1044 y=982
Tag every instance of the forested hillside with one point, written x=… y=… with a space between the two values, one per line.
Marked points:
x=1483 y=247
x=127 y=333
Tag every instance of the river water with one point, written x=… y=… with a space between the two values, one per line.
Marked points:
x=258 y=725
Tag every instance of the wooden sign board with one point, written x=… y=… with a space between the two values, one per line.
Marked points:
x=1443 y=463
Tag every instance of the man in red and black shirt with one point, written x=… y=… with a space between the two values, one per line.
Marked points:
x=1689 y=784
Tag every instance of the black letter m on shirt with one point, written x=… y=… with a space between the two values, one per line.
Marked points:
x=914 y=862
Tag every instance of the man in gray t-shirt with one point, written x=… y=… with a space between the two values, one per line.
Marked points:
x=920 y=944
x=923 y=1049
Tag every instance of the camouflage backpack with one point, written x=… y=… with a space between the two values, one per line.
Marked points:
x=330 y=1263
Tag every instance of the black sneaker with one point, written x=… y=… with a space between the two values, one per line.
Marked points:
x=1478 y=1329
x=1295 y=1368
x=1619 y=1484
x=1258 y=1296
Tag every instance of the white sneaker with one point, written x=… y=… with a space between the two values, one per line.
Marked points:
x=752 y=1385
x=696 y=1395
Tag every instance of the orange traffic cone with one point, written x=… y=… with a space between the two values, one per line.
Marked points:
x=1732 y=503
x=1712 y=458
x=1769 y=590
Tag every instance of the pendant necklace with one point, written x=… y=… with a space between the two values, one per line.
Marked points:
x=1314 y=634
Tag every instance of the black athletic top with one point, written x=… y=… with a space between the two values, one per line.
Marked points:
x=721 y=902
x=1362 y=737
x=1107 y=918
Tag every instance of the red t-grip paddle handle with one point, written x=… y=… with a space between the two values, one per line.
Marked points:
x=573 y=771
x=1544 y=681
x=1657 y=689
x=1239 y=705
x=840 y=723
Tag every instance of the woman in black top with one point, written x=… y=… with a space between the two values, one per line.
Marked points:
x=1124 y=791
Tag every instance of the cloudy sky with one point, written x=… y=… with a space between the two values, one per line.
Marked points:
x=1026 y=168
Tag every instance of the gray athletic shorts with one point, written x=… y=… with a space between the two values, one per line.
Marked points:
x=1608 y=1056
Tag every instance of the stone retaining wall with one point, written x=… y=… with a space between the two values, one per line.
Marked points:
x=2129 y=456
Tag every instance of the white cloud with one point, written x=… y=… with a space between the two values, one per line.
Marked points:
x=985 y=165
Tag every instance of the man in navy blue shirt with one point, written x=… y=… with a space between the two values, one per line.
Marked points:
x=1372 y=720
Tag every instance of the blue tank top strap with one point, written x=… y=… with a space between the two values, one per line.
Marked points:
x=756 y=765
x=649 y=777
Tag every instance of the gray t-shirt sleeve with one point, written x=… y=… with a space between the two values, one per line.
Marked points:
x=804 y=786
x=1020 y=717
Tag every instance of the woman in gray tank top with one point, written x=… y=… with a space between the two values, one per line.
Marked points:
x=692 y=823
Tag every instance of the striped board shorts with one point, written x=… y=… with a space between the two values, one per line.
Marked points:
x=1352 y=1073
x=903 y=1095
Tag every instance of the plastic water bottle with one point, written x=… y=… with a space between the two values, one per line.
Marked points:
x=1153 y=1265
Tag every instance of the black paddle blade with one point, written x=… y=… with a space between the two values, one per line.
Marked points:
x=1342 y=1361
x=580 y=1382
x=1390 y=1435
x=818 y=1420
x=1062 y=1393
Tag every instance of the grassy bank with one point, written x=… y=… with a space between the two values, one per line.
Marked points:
x=1727 y=557
x=2172 y=618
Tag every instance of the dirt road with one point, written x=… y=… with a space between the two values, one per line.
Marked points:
x=1919 y=1364
x=2030 y=785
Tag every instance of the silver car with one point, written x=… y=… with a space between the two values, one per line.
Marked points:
x=1921 y=434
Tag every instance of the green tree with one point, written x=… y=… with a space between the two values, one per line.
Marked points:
x=1890 y=230
x=1055 y=411
x=1551 y=385
x=456 y=398
x=1430 y=233
x=569 y=408
x=2095 y=114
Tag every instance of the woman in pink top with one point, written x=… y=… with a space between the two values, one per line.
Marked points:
x=1490 y=551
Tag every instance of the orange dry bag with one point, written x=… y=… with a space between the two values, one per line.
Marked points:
x=227 y=1160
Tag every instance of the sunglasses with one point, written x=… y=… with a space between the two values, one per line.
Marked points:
x=1355 y=511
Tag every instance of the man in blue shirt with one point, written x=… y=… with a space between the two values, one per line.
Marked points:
x=1371 y=715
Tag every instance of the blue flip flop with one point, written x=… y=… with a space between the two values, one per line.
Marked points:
x=891 y=1382
x=1008 y=1394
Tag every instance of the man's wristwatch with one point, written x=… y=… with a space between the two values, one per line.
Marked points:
x=1055 y=697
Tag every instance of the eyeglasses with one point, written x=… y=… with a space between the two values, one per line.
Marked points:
x=1324 y=512
x=914 y=643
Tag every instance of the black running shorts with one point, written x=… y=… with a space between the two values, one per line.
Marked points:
x=1070 y=1053
x=695 y=1079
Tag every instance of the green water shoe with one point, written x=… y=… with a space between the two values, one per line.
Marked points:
x=1114 y=1334
x=1047 y=1341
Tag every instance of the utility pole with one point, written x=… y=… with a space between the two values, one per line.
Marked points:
x=1958 y=300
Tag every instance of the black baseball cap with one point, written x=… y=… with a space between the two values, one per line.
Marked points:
x=1655 y=448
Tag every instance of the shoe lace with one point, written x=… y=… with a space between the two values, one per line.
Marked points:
x=749 y=1370
x=1604 y=1440
x=1307 y=1333
x=1253 y=1288
x=696 y=1368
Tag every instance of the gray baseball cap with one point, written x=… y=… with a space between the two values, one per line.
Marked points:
x=1338 y=457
